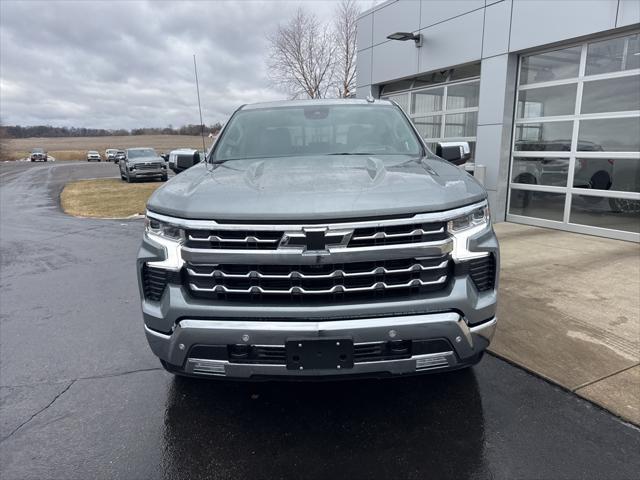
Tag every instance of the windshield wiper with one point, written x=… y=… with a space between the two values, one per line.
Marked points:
x=351 y=153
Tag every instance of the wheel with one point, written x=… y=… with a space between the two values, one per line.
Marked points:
x=164 y=178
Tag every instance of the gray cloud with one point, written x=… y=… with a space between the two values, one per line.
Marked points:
x=126 y=64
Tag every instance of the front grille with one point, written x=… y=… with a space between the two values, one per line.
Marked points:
x=317 y=282
x=397 y=234
x=151 y=166
x=483 y=272
x=270 y=239
x=154 y=281
x=234 y=239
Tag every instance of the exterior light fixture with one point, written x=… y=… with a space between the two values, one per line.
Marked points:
x=404 y=36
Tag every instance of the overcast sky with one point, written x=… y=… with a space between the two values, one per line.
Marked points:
x=127 y=64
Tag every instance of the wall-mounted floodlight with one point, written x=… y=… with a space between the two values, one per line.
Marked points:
x=404 y=36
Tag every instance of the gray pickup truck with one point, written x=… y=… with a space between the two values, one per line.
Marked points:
x=141 y=164
x=319 y=239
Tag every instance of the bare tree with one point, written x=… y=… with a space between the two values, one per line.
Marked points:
x=301 y=58
x=345 y=34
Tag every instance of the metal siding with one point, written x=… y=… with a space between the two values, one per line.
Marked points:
x=363 y=67
x=401 y=16
x=453 y=42
x=364 y=37
x=488 y=153
x=393 y=60
x=628 y=13
x=539 y=22
x=363 y=92
x=436 y=11
x=493 y=84
x=497 y=21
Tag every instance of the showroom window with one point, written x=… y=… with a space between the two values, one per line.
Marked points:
x=443 y=105
x=575 y=160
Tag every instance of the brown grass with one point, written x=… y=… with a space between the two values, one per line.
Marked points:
x=75 y=148
x=106 y=198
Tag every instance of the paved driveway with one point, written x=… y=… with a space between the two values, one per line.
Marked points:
x=83 y=397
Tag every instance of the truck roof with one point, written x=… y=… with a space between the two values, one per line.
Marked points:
x=314 y=102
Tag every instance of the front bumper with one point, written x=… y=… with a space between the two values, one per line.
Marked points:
x=467 y=344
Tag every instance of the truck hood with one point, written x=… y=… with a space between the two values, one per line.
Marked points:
x=316 y=188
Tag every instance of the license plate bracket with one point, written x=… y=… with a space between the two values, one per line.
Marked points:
x=319 y=354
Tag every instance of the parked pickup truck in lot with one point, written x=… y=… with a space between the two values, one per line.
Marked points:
x=110 y=154
x=142 y=163
x=319 y=238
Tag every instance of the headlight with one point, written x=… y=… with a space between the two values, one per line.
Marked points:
x=163 y=229
x=463 y=228
x=479 y=216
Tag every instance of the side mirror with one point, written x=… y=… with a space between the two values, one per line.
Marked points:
x=455 y=152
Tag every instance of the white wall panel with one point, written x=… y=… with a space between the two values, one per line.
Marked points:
x=392 y=60
x=363 y=92
x=497 y=83
x=628 y=13
x=539 y=22
x=436 y=11
x=364 y=38
x=453 y=42
x=497 y=20
x=363 y=67
x=401 y=16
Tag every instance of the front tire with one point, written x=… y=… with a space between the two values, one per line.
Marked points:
x=164 y=178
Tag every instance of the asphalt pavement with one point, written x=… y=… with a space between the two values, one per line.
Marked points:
x=83 y=397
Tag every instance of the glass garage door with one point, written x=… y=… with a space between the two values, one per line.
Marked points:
x=575 y=161
x=442 y=105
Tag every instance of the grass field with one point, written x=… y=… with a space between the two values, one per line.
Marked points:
x=75 y=148
x=106 y=198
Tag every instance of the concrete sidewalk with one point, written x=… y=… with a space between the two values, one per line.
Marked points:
x=569 y=310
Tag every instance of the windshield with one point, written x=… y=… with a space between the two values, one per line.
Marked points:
x=37 y=150
x=317 y=130
x=142 y=152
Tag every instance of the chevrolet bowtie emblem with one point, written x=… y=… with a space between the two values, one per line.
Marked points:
x=315 y=240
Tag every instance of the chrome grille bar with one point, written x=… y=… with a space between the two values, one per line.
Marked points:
x=384 y=235
x=335 y=274
x=247 y=239
x=335 y=289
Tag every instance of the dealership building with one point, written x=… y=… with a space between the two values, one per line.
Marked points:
x=546 y=92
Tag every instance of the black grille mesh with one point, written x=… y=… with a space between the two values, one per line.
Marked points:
x=154 y=281
x=483 y=272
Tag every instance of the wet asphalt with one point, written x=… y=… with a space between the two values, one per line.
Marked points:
x=83 y=397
